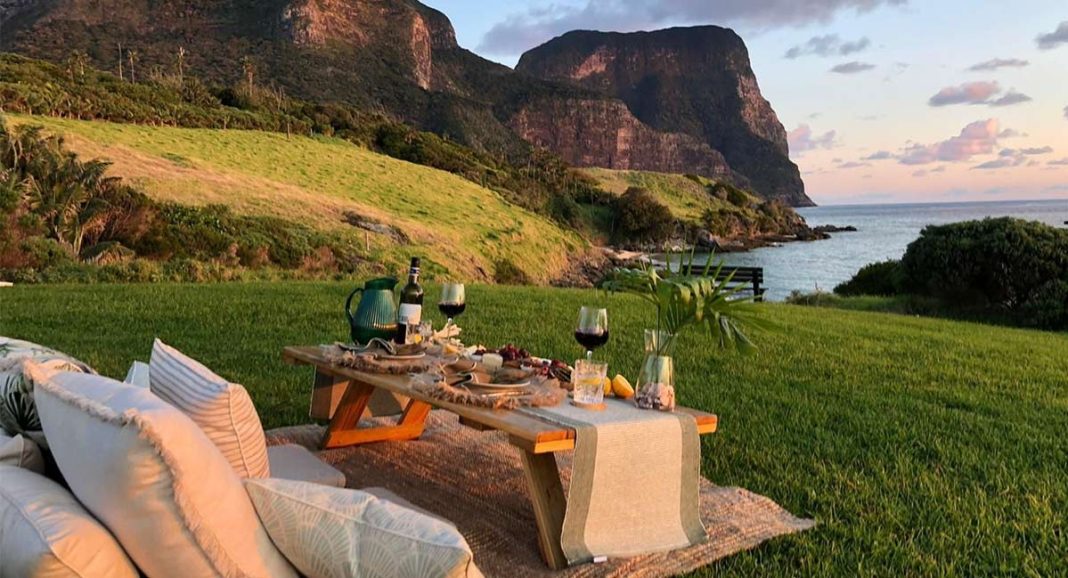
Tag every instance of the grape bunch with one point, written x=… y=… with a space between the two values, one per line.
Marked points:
x=511 y=353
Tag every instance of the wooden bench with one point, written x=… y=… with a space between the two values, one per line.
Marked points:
x=753 y=276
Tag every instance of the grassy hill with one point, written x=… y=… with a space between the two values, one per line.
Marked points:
x=457 y=225
x=923 y=447
x=719 y=208
x=686 y=197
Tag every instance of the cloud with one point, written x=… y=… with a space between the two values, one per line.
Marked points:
x=978 y=138
x=968 y=93
x=1010 y=133
x=802 y=139
x=879 y=156
x=979 y=92
x=1026 y=151
x=1055 y=38
x=1066 y=112
x=853 y=165
x=1000 y=163
x=852 y=67
x=920 y=173
x=527 y=28
x=940 y=169
x=1010 y=98
x=1014 y=158
x=828 y=45
x=1058 y=163
x=997 y=63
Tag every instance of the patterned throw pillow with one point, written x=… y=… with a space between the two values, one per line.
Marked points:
x=17 y=411
x=222 y=409
x=331 y=532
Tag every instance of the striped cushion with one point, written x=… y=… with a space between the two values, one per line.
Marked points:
x=222 y=409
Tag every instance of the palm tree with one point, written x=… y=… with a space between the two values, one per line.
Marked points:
x=71 y=199
x=12 y=188
x=133 y=57
x=76 y=62
x=181 y=63
x=249 y=68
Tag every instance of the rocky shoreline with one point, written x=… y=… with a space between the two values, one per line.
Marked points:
x=741 y=244
x=590 y=267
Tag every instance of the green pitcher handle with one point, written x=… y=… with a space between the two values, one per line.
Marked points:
x=348 y=304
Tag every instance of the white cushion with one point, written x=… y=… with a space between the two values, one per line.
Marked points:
x=46 y=533
x=21 y=452
x=293 y=462
x=222 y=409
x=341 y=533
x=146 y=471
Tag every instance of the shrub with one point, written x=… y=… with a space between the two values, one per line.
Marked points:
x=882 y=278
x=990 y=263
x=1047 y=308
x=506 y=272
x=640 y=217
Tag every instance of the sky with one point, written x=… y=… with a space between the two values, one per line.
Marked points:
x=885 y=101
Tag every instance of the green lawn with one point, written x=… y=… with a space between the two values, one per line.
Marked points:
x=922 y=446
x=315 y=181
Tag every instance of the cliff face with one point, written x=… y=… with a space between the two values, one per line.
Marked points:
x=651 y=104
x=695 y=81
x=604 y=133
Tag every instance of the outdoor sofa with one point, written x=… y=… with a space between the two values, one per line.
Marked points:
x=168 y=474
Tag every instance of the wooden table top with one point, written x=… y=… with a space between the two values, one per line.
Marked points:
x=525 y=431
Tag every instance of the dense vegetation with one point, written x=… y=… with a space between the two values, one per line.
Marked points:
x=702 y=206
x=65 y=218
x=533 y=179
x=922 y=447
x=1005 y=269
x=387 y=209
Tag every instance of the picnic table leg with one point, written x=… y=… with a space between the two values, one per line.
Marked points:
x=547 y=497
x=344 y=427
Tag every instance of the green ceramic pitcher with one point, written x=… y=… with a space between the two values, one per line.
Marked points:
x=376 y=314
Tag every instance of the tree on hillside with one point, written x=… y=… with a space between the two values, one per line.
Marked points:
x=133 y=57
x=76 y=64
x=70 y=197
x=180 y=63
x=640 y=217
x=120 y=62
x=248 y=67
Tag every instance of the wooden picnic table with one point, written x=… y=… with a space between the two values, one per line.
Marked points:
x=342 y=395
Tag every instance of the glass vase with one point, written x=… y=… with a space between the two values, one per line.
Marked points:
x=656 y=381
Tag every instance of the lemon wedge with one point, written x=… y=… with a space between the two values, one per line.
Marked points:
x=621 y=387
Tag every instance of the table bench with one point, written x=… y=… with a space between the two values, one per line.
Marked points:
x=343 y=395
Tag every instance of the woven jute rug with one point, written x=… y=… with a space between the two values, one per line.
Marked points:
x=475 y=479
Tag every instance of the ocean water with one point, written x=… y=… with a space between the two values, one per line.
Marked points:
x=884 y=231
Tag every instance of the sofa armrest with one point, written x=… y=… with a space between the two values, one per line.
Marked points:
x=293 y=462
x=138 y=375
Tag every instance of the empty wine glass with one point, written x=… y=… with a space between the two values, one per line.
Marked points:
x=592 y=330
x=452 y=302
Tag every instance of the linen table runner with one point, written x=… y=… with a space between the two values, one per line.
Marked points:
x=635 y=481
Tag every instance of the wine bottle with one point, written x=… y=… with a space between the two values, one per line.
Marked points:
x=411 y=303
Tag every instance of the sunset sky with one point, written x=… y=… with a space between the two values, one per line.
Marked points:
x=885 y=100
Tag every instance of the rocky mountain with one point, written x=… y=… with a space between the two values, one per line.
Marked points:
x=694 y=81
x=401 y=57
